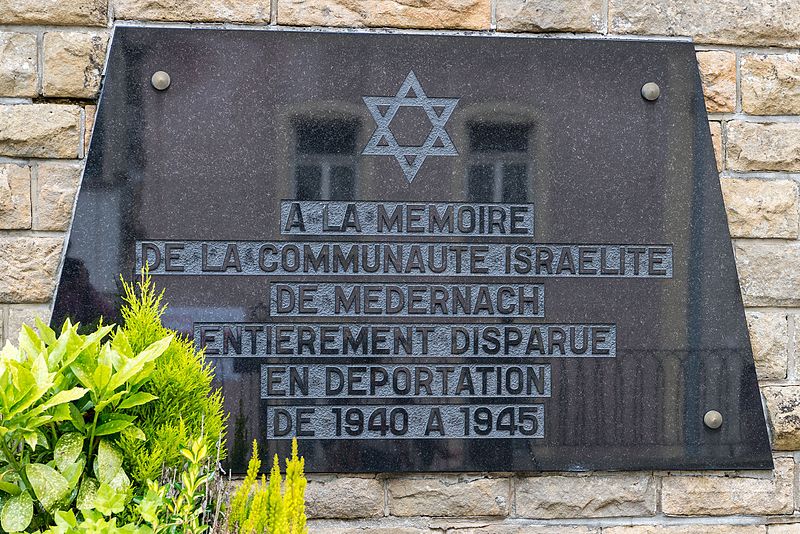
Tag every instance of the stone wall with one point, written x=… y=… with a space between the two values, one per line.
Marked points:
x=51 y=57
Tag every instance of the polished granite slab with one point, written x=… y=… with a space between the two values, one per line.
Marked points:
x=427 y=252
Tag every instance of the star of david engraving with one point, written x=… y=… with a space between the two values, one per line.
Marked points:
x=383 y=142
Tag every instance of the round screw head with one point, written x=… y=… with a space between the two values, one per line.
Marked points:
x=651 y=91
x=160 y=80
x=713 y=419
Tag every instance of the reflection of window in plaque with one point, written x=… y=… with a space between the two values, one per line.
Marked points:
x=325 y=164
x=498 y=162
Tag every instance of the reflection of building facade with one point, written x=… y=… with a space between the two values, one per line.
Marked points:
x=498 y=162
x=326 y=157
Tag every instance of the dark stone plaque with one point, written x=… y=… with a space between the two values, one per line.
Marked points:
x=428 y=252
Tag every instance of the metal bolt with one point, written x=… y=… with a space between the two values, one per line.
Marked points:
x=160 y=80
x=713 y=419
x=651 y=91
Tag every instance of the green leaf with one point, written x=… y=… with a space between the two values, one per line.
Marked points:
x=29 y=341
x=67 y=450
x=49 y=485
x=121 y=344
x=109 y=501
x=112 y=357
x=92 y=515
x=38 y=366
x=57 y=350
x=28 y=391
x=72 y=347
x=9 y=353
x=101 y=376
x=112 y=427
x=120 y=482
x=86 y=494
x=45 y=332
x=66 y=326
x=60 y=413
x=118 y=416
x=134 y=366
x=108 y=461
x=73 y=473
x=35 y=422
x=137 y=399
x=155 y=349
x=17 y=513
x=82 y=372
x=65 y=396
x=76 y=417
x=110 y=400
x=151 y=504
x=36 y=437
x=32 y=438
x=65 y=519
x=94 y=337
x=143 y=376
x=134 y=432
x=8 y=487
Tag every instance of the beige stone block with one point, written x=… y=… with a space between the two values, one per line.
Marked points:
x=55 y=12
x=19 y=315
x=755 y=493
x=598 y=495
x=55 y=197
x=514 y=526
x=18 y=64
x=343 y=497
x=89 y=112
x=769 y=336
x=28 y=268
x=771 y=84
x=718 y=74
x=15 y=196
x=761 y=208
x=449 y=496
x=716 y=141
x=783 y=406
x=686 y=529
x=768 y=273
x=549 y=16
x=252 y=11
x=317 y=527
x=793 y=528
x=40 y=130
x=736 y=22
x=73 y=63
x=794 y=355
x=428 y=14
x=763 y=146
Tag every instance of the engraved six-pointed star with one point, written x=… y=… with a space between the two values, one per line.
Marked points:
x=383 y=142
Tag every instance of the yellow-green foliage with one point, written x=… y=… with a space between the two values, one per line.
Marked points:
x=180 y=506
x=186 y=405
x=240 y=502
x=295 y=492
x=263 y=507
x=276 y=511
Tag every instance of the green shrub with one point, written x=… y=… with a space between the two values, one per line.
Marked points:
x=186 y=405
x=63 y=400
x=262 y=507
x=82 y=415
x=176 y=508
x=182 y=505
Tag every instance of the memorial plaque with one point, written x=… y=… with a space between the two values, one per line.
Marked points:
x=424 y=252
